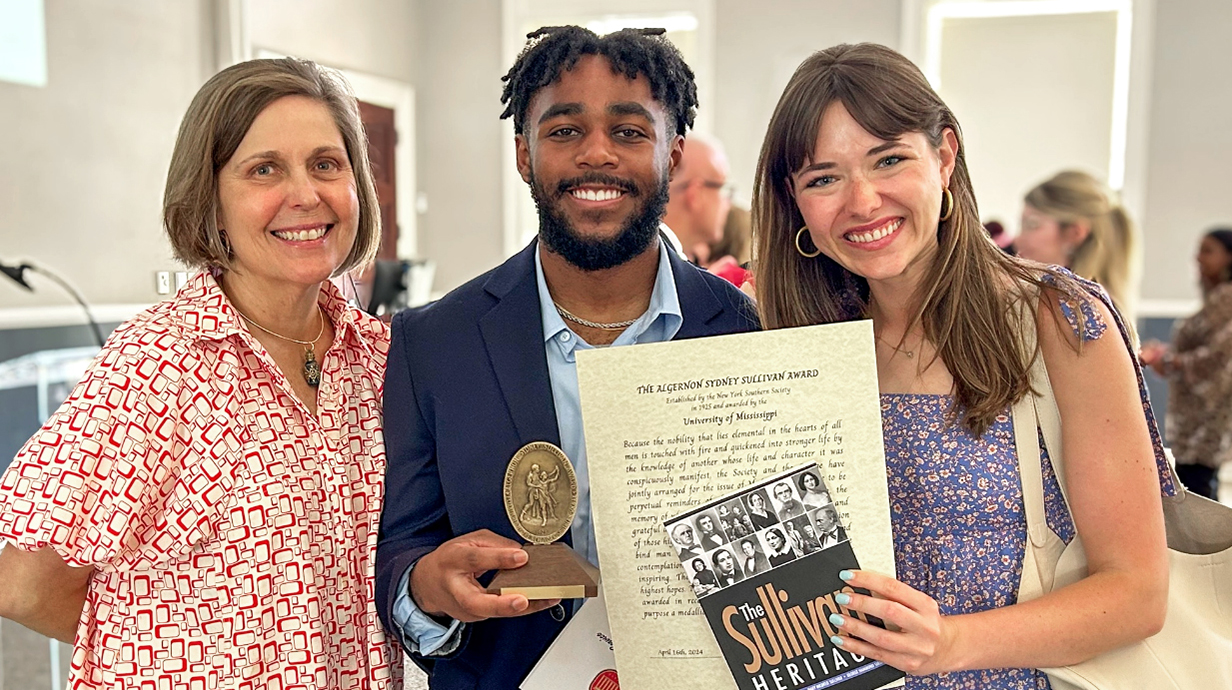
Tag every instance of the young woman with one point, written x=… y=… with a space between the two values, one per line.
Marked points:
x=863 y=209
x=759 y=513
x=1198 y=365
x=1072 y=220
x=811 y=491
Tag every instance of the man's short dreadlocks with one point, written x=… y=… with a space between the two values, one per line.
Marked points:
x=555 y=49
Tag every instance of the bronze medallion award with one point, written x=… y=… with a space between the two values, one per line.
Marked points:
x=541 y=499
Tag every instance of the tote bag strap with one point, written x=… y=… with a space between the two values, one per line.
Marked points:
x=1034 y=414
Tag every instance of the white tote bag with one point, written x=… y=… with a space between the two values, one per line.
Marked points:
x=1193 y=651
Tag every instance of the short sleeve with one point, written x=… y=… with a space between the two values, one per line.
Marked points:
x=1088 y=324
x=126 y=474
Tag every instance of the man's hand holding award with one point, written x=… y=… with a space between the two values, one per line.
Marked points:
x=541 y=500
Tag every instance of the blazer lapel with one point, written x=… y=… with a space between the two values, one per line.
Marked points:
x=698 y=303
x=513 y=335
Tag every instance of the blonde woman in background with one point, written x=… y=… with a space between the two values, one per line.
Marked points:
x=1073 y=220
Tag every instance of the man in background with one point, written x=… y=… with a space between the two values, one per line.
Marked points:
x=700 y=197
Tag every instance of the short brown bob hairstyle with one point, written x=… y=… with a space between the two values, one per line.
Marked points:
x=217 y=121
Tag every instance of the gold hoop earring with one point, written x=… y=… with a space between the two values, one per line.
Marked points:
x=947 y=204
x=800 y=233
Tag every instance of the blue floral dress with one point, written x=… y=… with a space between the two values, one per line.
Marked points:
x=957 y=513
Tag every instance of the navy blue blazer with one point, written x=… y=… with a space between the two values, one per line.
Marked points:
x=466 y=387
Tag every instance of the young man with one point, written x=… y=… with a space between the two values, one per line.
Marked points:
x=708 y=533
x=789 y=507
x=472 y=378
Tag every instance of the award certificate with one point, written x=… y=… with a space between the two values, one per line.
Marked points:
x=672 y=426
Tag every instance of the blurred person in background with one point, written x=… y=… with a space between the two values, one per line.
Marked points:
x=1198 y=366
x=699 y=196
x=729 y=257
x=1001 y=237
x=214 y=482
x=1073 y=220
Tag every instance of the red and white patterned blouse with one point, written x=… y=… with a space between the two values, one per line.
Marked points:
x=232 y=533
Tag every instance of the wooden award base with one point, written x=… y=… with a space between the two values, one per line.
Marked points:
x=552 y=571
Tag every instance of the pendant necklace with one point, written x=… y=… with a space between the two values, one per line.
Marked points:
x=312 y=370
x=910 y=353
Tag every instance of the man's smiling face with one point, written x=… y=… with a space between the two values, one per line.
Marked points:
x=597 y=152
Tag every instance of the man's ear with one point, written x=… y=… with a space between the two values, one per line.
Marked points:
x=522 y=152
x=674 y=155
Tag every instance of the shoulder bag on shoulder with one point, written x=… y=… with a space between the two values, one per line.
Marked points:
x=1193 y=651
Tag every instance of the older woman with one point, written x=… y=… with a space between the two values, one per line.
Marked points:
x=1198 y=365
x=202 y=511
x=864 y=209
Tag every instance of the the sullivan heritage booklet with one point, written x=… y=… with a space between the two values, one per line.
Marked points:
x=764 y=564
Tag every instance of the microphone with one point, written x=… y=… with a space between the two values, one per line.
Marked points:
x=18 y=274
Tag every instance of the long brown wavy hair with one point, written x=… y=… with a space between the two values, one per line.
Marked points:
x=969 y=302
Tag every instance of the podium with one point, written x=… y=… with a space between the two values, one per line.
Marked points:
x=31 y=388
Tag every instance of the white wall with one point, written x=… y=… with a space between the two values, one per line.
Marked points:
x=760 y=44
x=374 y=36
x=1034 y=96
x=87 y=155
x=90 y=151
x=1189 y=178
x=460 y=137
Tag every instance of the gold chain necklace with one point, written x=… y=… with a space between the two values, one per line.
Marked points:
x=312 y=370
x=614 y=326
x=910 y=353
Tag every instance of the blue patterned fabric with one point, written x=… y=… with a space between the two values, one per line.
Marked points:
x=957 y=511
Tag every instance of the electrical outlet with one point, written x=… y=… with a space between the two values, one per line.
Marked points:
x=181 y=277
x=162 y=282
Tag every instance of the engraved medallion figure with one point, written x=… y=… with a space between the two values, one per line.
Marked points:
x=540 y=494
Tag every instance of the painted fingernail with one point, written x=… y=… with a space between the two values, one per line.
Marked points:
x=838 y=641
x=845 y=575
x=842 y=599
x=837 y=620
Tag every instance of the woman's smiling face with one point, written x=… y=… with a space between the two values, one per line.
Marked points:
x=871 y=204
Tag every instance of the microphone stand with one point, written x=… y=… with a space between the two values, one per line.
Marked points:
x=17 y=273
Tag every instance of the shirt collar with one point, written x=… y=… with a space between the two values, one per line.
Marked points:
x=677 y=245
x=664 y=304
x=207 y=313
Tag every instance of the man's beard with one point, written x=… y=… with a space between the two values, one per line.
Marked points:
x=562 y=238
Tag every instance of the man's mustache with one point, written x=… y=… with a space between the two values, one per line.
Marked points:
x=626 y=186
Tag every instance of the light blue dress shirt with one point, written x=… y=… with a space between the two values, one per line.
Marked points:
x=661 y=321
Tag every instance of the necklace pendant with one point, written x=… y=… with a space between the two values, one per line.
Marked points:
x=312 y=370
